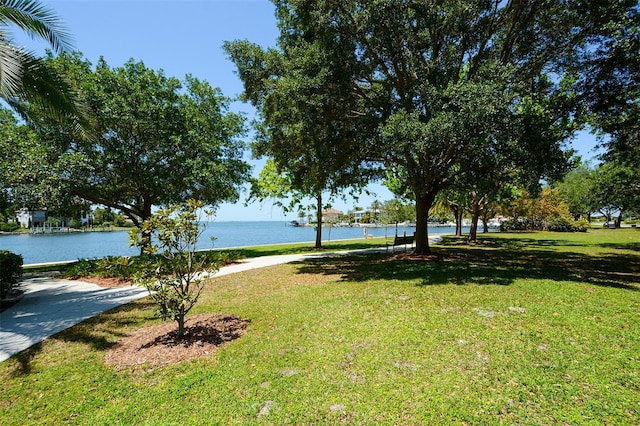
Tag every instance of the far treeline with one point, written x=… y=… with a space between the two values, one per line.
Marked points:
x=467 y=104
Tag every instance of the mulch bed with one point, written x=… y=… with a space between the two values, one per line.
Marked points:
x=158 y=345
x=105 y=282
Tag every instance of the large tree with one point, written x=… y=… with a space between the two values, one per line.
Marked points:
x=305 y=108
x=157 y=141
x=613 y=91
x=615 y=189
x=612 y=85
x=435 y=77
x=578 y=191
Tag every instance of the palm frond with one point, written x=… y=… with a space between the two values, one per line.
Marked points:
x=41 y=85
x=11 y=68
x=37 y=21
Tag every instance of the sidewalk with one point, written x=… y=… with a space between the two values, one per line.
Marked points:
x=51 y=305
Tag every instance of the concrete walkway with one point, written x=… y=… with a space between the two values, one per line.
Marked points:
x=51 y=305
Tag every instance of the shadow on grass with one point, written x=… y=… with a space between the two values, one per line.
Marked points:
x=500 y=264
x=101 y=331
x=24 y=359
x=624 y=246
x=513 y=243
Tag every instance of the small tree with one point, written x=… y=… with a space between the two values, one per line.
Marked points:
x=176 y=280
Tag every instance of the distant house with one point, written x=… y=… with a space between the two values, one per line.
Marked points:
x=331 y=215
x=31 y=218
x=369 y=211
x=37 y=218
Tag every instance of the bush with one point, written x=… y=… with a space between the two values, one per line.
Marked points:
x=82 y=268
x=121 y=221
x=115 y=267
x=10 y=271
x=581 y=225
x=522 y=224
x=75 y=223
x=9 y=226
x=120 y=267
x=561 y=224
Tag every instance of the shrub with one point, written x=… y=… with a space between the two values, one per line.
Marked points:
x=121 y=221
x=522 y=224
x=561 y=224
x=10 y=271
x=119 y=267
x=9 y=226
x=581 y=225
x=82 y=268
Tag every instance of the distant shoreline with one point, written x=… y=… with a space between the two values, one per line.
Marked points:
x=64 y=231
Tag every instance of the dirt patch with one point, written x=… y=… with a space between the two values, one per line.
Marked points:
x=158 y=345
x=106 y=282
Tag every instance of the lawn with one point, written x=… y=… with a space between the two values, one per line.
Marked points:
x=533 y=328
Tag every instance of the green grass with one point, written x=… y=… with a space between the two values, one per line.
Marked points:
x=531 y=328
x=298 y=248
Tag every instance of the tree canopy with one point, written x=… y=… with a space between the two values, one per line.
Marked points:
x=428 y=85
x=306 y=126
x=157 y=141
x=27 y=168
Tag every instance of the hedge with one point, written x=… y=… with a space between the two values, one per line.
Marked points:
x=10 y=271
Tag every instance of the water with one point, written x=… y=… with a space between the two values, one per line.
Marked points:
x=85 y=245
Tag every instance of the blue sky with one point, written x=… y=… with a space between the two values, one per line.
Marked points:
x=186 y=37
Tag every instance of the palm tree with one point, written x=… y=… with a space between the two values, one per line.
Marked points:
x=26 y=78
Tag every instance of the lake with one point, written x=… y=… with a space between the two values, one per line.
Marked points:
x=42 y=248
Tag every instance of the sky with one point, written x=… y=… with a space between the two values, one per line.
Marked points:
x=185 y=37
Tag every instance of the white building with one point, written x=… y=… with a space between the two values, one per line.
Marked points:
x=31 y=218
x=37 y=218
x=369 y=211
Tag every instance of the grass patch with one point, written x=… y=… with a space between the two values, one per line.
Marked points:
x=301 y=248
x=532 y=328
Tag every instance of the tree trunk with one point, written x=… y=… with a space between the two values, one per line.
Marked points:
x=180 y=321
x=319 y=217
x=475 y=215
x=457 y=212
x=619 y=220
x=485 y=223
x=146 y=236
x=423 y=204
x=473 y=232
x=145 y=241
